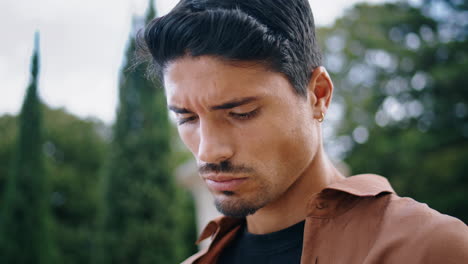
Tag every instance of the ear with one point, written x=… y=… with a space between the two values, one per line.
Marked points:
x=320 y=91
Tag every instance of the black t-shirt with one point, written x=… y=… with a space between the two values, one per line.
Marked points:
x=284 y=246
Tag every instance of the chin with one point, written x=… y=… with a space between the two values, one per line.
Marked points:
x=235 y=207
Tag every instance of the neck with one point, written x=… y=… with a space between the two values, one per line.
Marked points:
x=291 y=207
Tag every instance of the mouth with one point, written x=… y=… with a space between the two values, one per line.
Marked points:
x=222 y=183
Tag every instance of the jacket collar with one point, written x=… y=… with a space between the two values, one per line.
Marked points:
x=219 y=226
x=333 y=199
x=363 y=185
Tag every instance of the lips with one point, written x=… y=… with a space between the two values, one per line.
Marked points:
x=223 y=183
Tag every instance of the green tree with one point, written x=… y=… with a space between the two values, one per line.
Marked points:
x=144 y=219
x=25 y=218
x=75 y=152
x=400 y=107
x=8 y=130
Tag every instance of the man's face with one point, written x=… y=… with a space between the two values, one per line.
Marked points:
x=251 y=135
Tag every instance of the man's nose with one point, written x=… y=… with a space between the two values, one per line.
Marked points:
x=214 y=145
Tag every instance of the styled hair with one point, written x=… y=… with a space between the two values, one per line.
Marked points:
x=279 y=34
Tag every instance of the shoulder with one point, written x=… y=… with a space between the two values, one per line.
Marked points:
x=398 y=229
x=425 y=235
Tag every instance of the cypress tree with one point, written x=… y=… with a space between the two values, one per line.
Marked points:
x=140 y=194
x=25 y=209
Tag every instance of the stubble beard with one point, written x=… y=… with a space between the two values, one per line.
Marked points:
x=231 y=204
x=238 y=207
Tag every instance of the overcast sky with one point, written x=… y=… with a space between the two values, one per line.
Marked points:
x=82 y=47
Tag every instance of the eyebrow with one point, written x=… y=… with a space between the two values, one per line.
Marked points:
x=227 y=105
x=234 y=103
x=179 y=110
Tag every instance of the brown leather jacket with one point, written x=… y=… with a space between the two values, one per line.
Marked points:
x=360 y=220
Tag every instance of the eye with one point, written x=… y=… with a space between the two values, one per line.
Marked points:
x=244 y=116
x=181 y=121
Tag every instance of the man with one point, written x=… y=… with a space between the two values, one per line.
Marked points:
x=245 y=81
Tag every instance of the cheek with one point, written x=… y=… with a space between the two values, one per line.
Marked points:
x=301 y=139
x=190 y=138
x=290 y=147
x=278 y=138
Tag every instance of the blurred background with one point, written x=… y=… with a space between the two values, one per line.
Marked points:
x=91 y=167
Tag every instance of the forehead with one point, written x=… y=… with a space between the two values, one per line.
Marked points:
x=207 y=79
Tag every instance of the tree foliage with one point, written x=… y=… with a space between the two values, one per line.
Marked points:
x=25 y=215
x=402 y=109
x=146 y=216
x=74 y=152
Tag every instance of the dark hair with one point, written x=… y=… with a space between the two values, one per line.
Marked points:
x=279 y=34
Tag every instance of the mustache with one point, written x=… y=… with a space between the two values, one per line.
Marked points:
x=223 y=167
